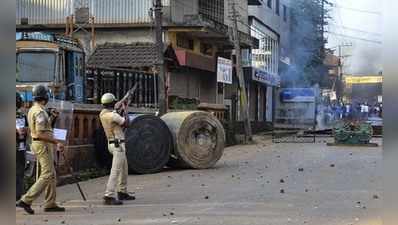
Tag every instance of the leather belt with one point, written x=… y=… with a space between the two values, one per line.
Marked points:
x=115 y=141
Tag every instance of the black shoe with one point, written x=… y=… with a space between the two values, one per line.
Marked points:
x=125 y=196
x=25 y=206
x=112 y=201
x=54 y=209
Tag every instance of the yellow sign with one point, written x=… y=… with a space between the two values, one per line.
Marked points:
x=363 y=79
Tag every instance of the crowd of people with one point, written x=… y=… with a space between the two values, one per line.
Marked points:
x=356 y=110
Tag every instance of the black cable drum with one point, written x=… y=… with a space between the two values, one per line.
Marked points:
x=148 y=144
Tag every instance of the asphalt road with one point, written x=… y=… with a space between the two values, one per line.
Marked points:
x=265 y=183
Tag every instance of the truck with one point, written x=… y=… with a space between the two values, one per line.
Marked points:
x=54 y=60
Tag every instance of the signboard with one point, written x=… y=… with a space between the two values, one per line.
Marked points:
x=297 y=95
x=363 y=79
x=265 y=77
x=224 y=70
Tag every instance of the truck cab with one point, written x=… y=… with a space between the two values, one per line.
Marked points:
x=53 y=60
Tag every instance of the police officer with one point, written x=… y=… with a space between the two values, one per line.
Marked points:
x=113 y=125
x=21 y=134
x=42 y=146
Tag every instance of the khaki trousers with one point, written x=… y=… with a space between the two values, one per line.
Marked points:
x=119 y=172
x=47 y=179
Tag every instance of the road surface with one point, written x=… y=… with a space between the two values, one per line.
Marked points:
x=261 y=184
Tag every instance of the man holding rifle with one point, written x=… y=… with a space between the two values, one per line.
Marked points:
x=113 y=124
x=42 y=145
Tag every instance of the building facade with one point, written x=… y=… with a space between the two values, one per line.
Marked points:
x=197 y=30
x=269 y=22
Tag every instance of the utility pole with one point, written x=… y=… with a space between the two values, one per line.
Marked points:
x=340 y=86
x=323 y=28
x=160 y=63
x=239 y=72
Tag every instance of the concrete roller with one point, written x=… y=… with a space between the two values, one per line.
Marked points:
x=148 y=144
x=198 y=139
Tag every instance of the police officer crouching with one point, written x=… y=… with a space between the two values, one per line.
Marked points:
x=42 y=146
x=113 y=125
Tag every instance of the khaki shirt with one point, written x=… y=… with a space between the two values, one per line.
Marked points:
x=38 y=120
x=112 y=123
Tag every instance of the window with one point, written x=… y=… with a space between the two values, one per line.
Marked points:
x=284 y=13
x=184 y=42
x=206 y=49
x=36 y=67
x=269 y=4
x=277 y=6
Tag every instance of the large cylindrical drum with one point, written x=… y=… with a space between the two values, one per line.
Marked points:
x=198 y=138
x=148 y=144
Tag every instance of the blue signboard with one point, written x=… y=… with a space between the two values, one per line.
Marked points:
x=265 y=77
x=297 y=95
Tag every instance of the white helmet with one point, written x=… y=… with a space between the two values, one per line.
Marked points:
x=108 y=98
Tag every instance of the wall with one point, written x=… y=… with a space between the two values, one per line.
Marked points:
x=180 y=8
x=242 y=10
x=191 y=83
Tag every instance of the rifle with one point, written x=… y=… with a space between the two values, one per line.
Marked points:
x=121 y=106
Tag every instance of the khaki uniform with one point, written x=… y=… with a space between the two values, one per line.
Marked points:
x=112 y=123
x=39 y=121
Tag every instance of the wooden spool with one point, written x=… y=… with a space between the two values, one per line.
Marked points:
x=198 y=138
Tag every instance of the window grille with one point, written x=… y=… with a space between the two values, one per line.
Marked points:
x=212 y=9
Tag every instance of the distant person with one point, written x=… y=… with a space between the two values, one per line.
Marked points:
x=366 y=110
x=347 y=110
x=21 y=135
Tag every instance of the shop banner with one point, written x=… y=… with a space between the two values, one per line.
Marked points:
x=224 y=70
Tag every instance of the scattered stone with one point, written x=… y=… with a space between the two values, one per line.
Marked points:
x=358 y=203
x=206 y=197
x=300 y=169
x=331 y=165
x=375 y=197
x=282 y=181
x=282 y=191
x=171 y=214
x=118 y=219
